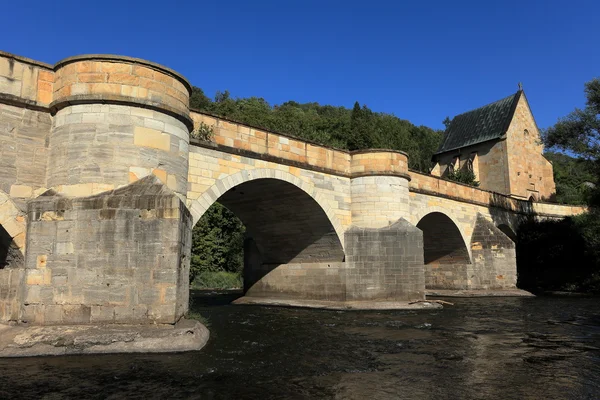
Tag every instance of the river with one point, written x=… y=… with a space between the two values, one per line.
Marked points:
x=482 y=348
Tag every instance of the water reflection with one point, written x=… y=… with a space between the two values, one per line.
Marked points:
x=481 y=348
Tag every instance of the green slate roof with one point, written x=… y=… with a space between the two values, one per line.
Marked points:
x=480 y=125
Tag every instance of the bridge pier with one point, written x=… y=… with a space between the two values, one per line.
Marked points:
x=384 y=252
x=110 y=242
x=116 y=257
x=494 y=258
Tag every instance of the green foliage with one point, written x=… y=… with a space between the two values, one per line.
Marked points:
x=579 y=133
x=217 y=280
x=463 y=176
x=203 y=132
x=446 y=122
x=574 y=178
x=217 y=243
x=198 y=99
x=560 y=255
x=565 y=255
x=359 y=128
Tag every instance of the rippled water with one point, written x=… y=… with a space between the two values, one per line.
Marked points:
x=487 y=348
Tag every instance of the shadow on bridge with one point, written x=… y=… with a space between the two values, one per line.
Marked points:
x=444 y=252
x=10 y=255
x=290 y=242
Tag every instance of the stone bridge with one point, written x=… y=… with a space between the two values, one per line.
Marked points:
x=102 y=180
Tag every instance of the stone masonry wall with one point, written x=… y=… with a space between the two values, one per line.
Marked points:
x=494 y=258
x=109 y=77
x=445 y=254
x=23 y=151
x=11 y=286
x=212 y=173
x=313 y=281
x=474 y=198
x=117 y=257
x=530 y=174
x=96 y=147
x=385 y=263
x=379 y=201
x=491 y=166
x=242 y=137
x=27 y=80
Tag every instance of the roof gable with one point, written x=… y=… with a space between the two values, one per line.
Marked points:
x=480 y=125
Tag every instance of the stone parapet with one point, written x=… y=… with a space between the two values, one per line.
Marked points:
x=96 y=78
x=379 y=162
x=432 y=185
x=25 y=82
x=237 y=138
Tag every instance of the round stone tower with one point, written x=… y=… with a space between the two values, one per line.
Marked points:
x=111 y=243
x=117 y=119
x=379 y=187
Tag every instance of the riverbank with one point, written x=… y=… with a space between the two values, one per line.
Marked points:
x=337 y=305
x=478 y=293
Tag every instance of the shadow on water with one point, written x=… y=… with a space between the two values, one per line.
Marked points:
x=489 y=348
x=214 y=298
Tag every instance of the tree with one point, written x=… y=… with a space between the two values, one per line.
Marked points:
x=574 y=178
x=361 y=129
x=579 y=132
x=358 y=128
x=446 y=122
x=217 y=242
x=198 y=99
x=545 y=247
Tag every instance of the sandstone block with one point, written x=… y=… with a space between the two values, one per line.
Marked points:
x=152 y=138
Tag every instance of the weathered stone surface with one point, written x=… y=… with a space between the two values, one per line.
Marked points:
x=23 y=341
x=385 y=263
x=97 y=246
x=339 y=305
x=494 y=258
x=23 y=150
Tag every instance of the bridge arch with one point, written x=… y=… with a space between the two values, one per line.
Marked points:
x=292 y=247
x=199 y=206
x=12 y=232
x=445 y=254
x=420 y=214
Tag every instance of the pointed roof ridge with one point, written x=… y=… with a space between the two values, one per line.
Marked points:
x=481 y=124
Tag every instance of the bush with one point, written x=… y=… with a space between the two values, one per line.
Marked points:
x=464 y=176
x=203 y=132
x=217 y=280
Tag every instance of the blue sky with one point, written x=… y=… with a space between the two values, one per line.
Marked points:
x=420 y=60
